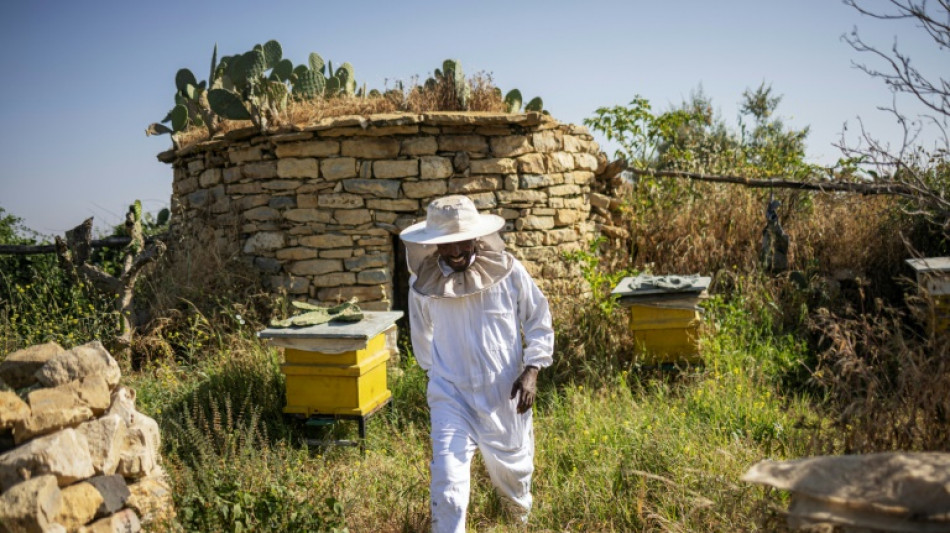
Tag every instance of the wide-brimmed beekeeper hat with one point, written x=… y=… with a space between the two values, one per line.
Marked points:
x=452 y=219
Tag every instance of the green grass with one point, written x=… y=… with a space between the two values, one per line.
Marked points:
x=633 y=450
x=619 y=447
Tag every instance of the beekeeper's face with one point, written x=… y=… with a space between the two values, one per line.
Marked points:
x=458 y=255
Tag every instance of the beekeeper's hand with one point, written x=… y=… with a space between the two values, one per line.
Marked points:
x=527 y=385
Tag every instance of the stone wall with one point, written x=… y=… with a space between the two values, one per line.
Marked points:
x=75 y=454
x=318 y=209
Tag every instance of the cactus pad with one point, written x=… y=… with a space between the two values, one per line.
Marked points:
x=536 y=104
x=227 y=104
x=513 y=101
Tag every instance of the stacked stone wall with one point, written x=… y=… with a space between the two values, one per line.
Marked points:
x=75 y=454
x=317 y=209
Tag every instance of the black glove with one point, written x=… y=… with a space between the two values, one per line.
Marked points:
x=527 y=384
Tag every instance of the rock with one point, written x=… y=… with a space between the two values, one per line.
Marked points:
x=292 y=167
x=264 y=242
x=371 y=148
x=51 y=410
x=31 y=506
x=151 y=497
x=403 y=168
x=12 y=410
x=64 y=454
x=19 y=368
x=315 y=267
x=435 y=167
x=383 y=188
x=113 y=491
x=424 y=189
x=462 y=143
x=338 y=168
x=125 y=521
x=105 y=437
x=414 y=146
x=80 y=502
x=494 y=166
x=86 y=360
x=140 y=452
x=93 y=391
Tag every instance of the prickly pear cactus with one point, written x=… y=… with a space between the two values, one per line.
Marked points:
x=513 y=101
x=227 y=104
x=272 y=54
x=184 y=78
x=316 y=62
x=536 y=104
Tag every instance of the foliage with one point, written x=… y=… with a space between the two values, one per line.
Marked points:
x=41 y=303
x=691 y=137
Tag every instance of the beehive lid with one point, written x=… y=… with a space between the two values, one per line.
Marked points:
x=373 y=323
x=934 y=265
x=647 y=285
x=933 y=274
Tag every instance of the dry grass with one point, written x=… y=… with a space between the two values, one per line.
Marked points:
x=886 y=373
x=412 y=98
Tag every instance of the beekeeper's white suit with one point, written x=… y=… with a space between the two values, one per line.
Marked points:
x=474 y=332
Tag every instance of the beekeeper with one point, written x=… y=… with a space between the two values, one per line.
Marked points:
x=481 y=329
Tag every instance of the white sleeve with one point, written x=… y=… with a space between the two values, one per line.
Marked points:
x=535 y=317
x=420 y=326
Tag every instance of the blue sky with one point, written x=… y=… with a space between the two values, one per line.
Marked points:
x=84 y=79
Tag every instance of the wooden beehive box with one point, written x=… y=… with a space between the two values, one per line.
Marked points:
x=336 y=369
x=664 y=316
x=933 y=277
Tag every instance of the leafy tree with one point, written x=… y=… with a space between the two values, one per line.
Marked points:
x=691 y=137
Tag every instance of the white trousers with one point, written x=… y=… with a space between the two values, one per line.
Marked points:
x=462 y=421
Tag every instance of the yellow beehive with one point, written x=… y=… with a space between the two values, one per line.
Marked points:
x=933 y=277
x=665 y=322
x=328 y=389
x=336 y=369
x=665 y=335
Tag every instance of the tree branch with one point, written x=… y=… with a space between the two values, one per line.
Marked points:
x=899 y=189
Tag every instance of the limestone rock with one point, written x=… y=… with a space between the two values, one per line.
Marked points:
x=19 y=368
x=435 y=167
x=140 y=452
x=151 y=497
x=86 y=360
x=80 y=502
x=93 y=391
x=51 y=410
x=31 y=506
x=12 y=410
x=64 y=454
x=113 y=491
x=338 y=168
x=105 y=437
x=125 y=521
x=264 y=242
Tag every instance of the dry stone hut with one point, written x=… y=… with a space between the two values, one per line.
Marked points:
x=317 y=209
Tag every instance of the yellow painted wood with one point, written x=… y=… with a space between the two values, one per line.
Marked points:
x=352 y=357
x=321 y=389
x=649 y=317
x=671 y=345
x=665 y=335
